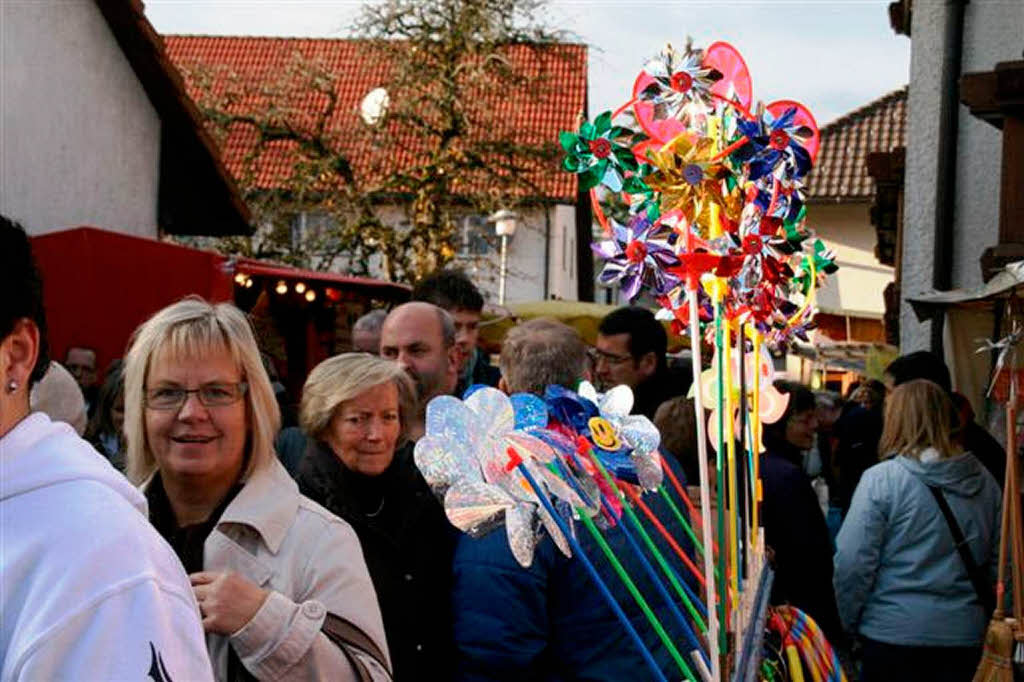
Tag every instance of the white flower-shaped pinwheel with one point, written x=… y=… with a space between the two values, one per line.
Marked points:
x=469 y=456
x=772 y=403
x=635 y=430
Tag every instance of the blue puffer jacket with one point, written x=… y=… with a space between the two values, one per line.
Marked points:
x=898 y=576
x=548 y=622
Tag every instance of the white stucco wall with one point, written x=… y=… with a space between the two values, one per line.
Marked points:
x=992 y=33
x=79 y=139
x=857 y=288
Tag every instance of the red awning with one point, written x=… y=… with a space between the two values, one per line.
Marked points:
x=98 y=286
x=394 y=292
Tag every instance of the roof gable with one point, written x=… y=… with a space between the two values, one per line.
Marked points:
x=521 y=116
x=840 y=172
x=197 y=194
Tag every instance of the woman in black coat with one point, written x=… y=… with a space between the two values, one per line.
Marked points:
x=354 y=410
x=794 y=524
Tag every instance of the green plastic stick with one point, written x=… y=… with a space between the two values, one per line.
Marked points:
x=720 y=461
x=653 y=548
x=686 y=526
x=698 y=545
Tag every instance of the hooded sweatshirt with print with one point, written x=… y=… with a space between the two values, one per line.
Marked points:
x=898 y=576
x=88 y=589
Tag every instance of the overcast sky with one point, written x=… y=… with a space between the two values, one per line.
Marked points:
x=832 y=55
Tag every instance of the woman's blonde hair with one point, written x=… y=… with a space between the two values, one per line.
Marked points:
x=344 y=377
x=193 y=329
x=918 y=416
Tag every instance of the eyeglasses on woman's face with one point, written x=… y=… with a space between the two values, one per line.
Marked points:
x=214 y=394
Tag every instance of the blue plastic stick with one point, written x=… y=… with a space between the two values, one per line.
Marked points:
x=654 y=578
x=694 y=599
x=605 y=592
x=648 y=569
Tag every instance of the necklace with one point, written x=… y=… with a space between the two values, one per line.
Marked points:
x=379 y=508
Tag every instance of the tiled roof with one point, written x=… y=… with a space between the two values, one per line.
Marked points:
x=520 y=114
x=841 y=168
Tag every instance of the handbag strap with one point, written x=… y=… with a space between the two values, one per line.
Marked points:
x=351 y=640
x=981 y=586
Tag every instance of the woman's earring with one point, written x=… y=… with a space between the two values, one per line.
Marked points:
x=12 y=386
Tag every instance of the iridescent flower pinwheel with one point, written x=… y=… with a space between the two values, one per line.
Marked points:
x=774 y=143
x=679 y=83
x=777 y=196
x=637 y=256
x=597 y=156
x=635 y=430
x=465 y=457
x=689 y=178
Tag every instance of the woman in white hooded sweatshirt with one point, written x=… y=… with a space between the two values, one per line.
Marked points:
x=88 y=590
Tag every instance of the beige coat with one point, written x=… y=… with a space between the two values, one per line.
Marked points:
x=312 y=563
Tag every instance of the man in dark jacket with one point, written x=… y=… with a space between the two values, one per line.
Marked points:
x=631 y=348
x=974 y=439
x=548 y=622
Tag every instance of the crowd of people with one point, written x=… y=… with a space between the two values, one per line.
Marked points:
x=162 y=523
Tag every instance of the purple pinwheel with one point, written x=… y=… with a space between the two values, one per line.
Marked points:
x=638 y=255
x=774 y=143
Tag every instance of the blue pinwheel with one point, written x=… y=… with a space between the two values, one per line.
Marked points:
x=774 y=144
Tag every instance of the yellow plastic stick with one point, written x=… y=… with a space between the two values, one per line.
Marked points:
x=755 y=427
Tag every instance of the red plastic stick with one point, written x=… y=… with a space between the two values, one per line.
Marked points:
x=664 y=532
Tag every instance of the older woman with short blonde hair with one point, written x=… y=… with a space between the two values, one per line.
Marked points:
x=901 y=582
x=356 y=410
x=344 y=377
x=276 y=576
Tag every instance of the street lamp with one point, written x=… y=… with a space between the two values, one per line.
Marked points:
x=505 y=222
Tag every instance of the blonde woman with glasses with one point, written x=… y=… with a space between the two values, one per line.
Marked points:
x=919 y=598
x=281 y=582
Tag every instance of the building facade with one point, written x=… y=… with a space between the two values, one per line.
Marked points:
x=95 y=128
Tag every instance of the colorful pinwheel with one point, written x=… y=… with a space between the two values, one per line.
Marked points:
x=688 y=178
x=463 y=457
x=597 y=156
x=680 y=84
x=636 y=255
x=773 y=143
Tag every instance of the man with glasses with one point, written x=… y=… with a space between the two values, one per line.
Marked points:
x=631 y=347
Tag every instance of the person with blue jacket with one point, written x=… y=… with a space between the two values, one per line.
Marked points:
x=548 y=622
x=900 y=582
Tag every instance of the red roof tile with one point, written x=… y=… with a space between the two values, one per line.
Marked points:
x=523 y=115
x=841 y=168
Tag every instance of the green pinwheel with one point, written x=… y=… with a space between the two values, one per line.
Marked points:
x=596 y=154
x=819 y=263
